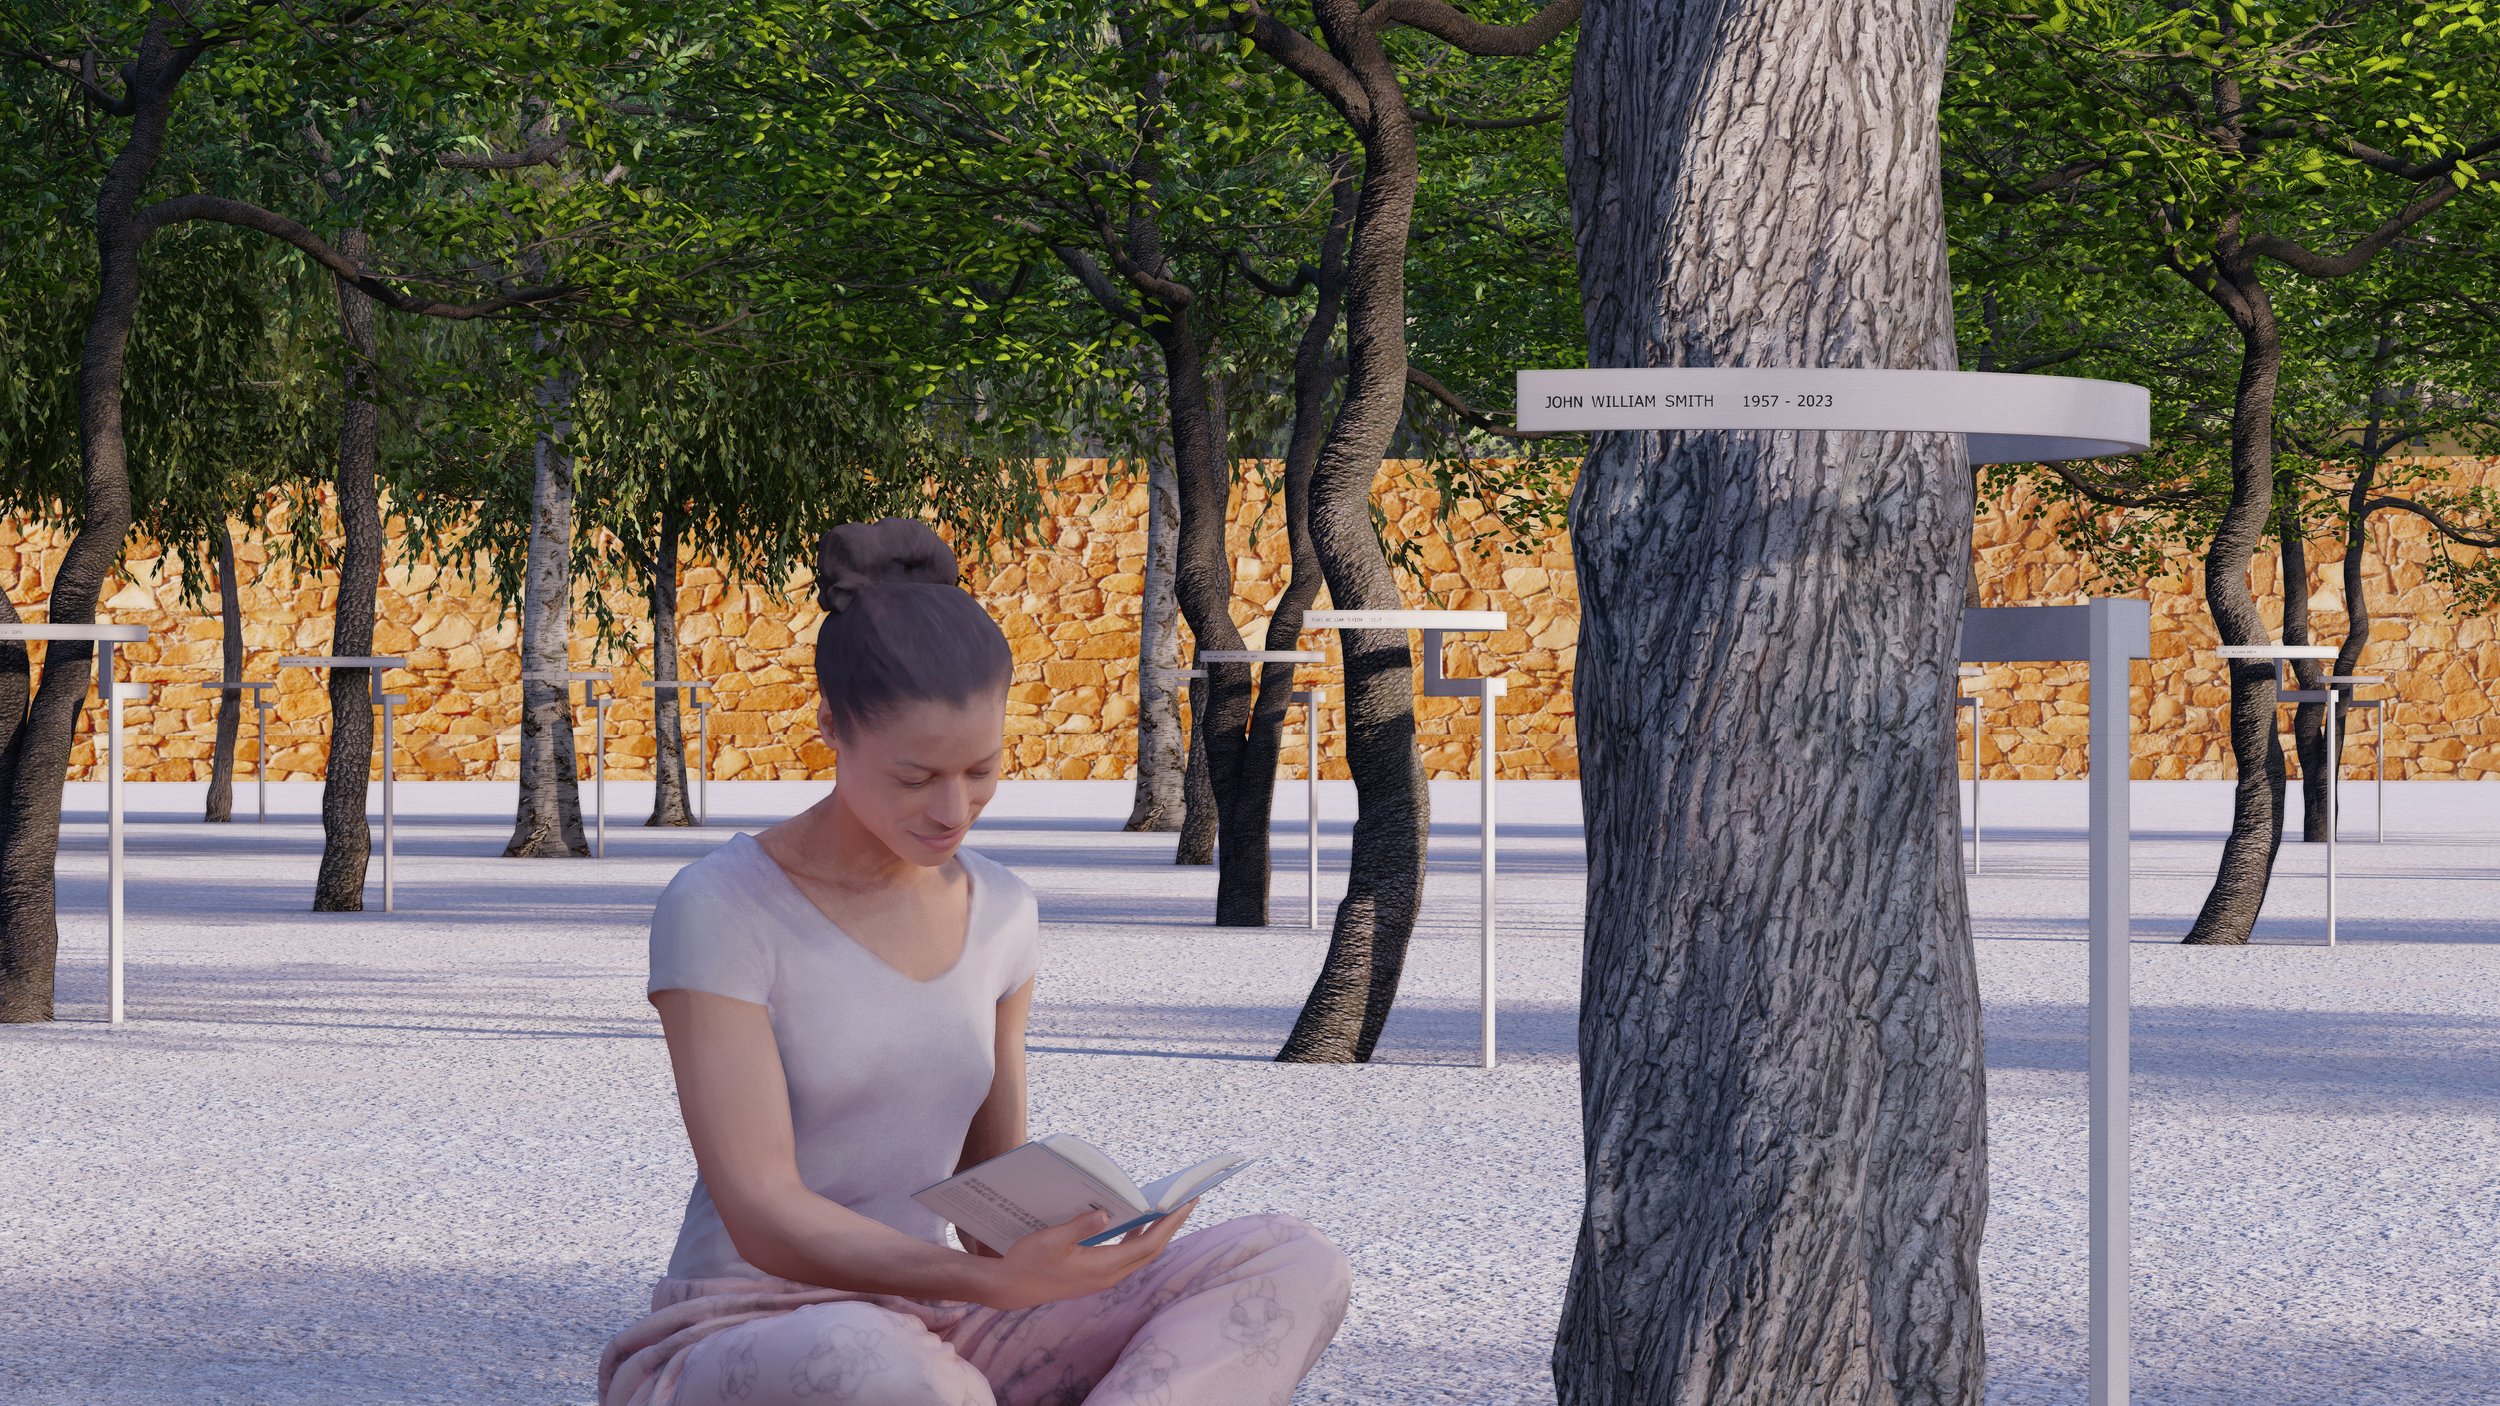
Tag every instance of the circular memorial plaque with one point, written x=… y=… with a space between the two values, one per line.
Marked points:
x=2008 y=419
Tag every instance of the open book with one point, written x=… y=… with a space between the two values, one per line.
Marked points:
x=1056 y=1179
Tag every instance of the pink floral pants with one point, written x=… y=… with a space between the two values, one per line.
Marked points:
x=1233 y=1315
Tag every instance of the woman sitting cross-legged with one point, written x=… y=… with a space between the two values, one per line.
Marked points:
x=844 y=997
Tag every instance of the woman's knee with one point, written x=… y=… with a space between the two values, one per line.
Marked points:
x=1302 y=1249
x=854 y=1353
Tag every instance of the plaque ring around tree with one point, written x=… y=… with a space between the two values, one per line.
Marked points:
x=2004 y=419
x=114 y=694
x=2008 y=419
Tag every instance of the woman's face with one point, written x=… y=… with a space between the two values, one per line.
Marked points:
x=918 y=777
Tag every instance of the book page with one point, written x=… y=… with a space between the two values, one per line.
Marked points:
x=1023 y=1190
x=1171 y=1191
x=1092 y=1161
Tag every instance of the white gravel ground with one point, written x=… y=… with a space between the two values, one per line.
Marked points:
x=432 y=1156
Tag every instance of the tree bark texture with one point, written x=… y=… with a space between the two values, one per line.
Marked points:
x=1358 y=980
x=2357 y=623
x=1196 y=844
x=34 y=754
x=1781 y=1074
x=2308 y=719
x=548 y=823
x=1202 y=579
x=220 y=805
x=346 y=836
x=1162 y=749
x=2229 y=913
x=1242 y=896
x=668 y=719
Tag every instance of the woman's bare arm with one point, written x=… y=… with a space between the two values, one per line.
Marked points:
x=999 y=1125
x=734 y=1096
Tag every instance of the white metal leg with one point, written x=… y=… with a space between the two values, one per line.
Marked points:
x=2112 y=726
x=2334 y=816
x=1311 y=700
x=390 y=812
x=260 y=767
x=112 y=835
x=599 y=767
x=702 y=764
x=2381 y=710
x=1485 y=771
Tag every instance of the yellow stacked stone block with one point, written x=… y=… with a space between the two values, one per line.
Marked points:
x=1070 y=602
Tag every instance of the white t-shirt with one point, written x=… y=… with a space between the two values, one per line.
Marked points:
x=885 y=1072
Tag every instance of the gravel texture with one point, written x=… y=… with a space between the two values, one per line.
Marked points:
x=432 y=1156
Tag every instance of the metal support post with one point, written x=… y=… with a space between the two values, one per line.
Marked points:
x=1971 y=702
x=260 y=763
x=2119 y=631
x=390 y=811
x=702 y=762
x=2334 y=812
x=112 y=832
x=1311 y=699
x=1486 y=765
x=1439 y=685
x=599 y=727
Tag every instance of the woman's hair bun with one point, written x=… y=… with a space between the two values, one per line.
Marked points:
x=857 y=555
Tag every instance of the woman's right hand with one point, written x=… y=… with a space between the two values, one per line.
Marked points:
x=1049 y=1265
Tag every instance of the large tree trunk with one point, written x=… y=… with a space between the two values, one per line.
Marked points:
x=668 y=719
x=548 y=822
x=2229 y=913
x=1162 y=751
x=1241 y=896
x=229 y=701
x=346 y=836
x=1358 y=980
x=34 y=752
x=1781 y=1069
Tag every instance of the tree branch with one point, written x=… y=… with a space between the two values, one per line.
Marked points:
x=2293 y=254
x=2107 y=493
x=1427 y=117
x=543 y=152
x=252 y=217
x=1097 y=283
x=2463 y=535
x=1470 y=35
x=1424 y=381
x=1303 y=277
x=1302 y=57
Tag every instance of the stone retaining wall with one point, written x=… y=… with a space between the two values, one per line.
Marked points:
x=1070 y=607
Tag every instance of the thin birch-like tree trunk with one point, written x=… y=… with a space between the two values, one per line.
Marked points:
x=668 y=719
x=1781 y=1070
x=1162 y=749
x=548 y=821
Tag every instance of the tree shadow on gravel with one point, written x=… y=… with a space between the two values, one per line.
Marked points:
x=1418 y=1033
x=319 y=1336
x=2380 y=1057
x=199 y=1006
